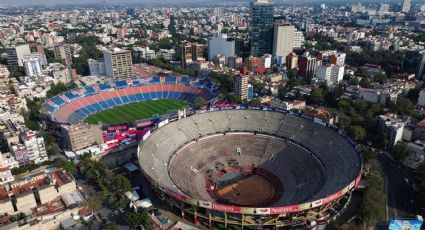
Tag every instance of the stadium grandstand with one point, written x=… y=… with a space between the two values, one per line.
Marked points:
x=75 y=105
x=252 y=167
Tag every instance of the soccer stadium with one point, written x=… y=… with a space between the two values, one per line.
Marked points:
x=251 y=167
x=76 y=105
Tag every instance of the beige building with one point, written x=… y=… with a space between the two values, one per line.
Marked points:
x=283 y=39
x=81 y=136
x=118 y=63
x=241 y=86
x=63 y=52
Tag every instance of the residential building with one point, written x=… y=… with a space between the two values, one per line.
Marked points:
x=220 y=45
x=292 y=61
x=330 y=73
x=283 y=38
x=118 y=63
x=392 y=127
x=307 y=67
x=261 y=31
x=35 y=146
x=81 y=136
x=15 y=55
x=298 y=39
x=241 y=86
x=33 y=67
x=63 y=52
x=287 y=105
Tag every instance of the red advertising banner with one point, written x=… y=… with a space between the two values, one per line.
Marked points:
x=176 y=195
x=332 y=197
x=284 y=210
x=226 y=208
x=358 y=181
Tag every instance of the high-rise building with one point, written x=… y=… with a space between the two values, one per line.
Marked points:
x=283 y=39
x=261 y=27
x=250 y=92
x=190 y=52
x=241 y=86
x=219 y=45
x=307 y=67
x=15 y=55
x=80 y=136
x=405 y=8
x=63 y=52
x=118 y=63
x=32 y=67
x=298 y=39
x=414 y=62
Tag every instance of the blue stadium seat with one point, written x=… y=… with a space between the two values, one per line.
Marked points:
x=104 y=87
x=121 y=84
x=89 y=91
x=70 y=95
x=170 y=79
x=58 y=101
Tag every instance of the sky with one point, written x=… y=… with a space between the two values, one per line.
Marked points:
x=54 y=2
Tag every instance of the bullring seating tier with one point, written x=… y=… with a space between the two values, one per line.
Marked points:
x=76 y=105
x=311 y=160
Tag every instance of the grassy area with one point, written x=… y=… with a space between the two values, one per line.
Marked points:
x=137 y=111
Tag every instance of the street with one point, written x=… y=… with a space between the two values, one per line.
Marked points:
x=400 y=195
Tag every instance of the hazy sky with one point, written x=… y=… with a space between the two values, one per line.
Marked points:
x=53 y=2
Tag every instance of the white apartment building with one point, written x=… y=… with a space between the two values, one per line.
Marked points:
x=331 y=73
x=35 y=146
x=392 y=127
x=283 y=39
x=33 y=67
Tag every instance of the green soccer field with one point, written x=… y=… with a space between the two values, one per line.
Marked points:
x=136 y=111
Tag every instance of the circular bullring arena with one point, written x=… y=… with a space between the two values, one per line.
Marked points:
x=252 y=168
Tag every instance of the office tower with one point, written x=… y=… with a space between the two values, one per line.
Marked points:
x=15 y=55
x=261 y=30
x=241 y=86
x=414 y=62
x=384 y=8
x=32 y=67
x=307 y=67
x=219 y=45
x=218 y=11
x=405 y=8
x=190 y=52
x=292 y=61
x=283 y=39
x=63 y=52
x=37 y=50
x=118 y=63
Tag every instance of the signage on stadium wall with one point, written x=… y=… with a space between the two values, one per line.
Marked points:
x=205 y=204
x=162 y=123
x=284 y=210
x=317 y=203
x=226 y=208
x=262 y=211
x=147 y=134
x=307 y=117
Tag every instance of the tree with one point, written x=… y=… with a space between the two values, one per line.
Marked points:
x=357 y=132
x=94 y=204
x=200 y=102
x=122 y=183
x=400 y=151
x=67 y=165
x=317 y=96
x=141 y=217
x=56 y=89
x=112 y=226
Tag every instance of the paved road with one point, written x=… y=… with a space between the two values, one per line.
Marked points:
x=401 y=198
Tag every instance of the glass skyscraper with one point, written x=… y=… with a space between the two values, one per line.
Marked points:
x=261 y=29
